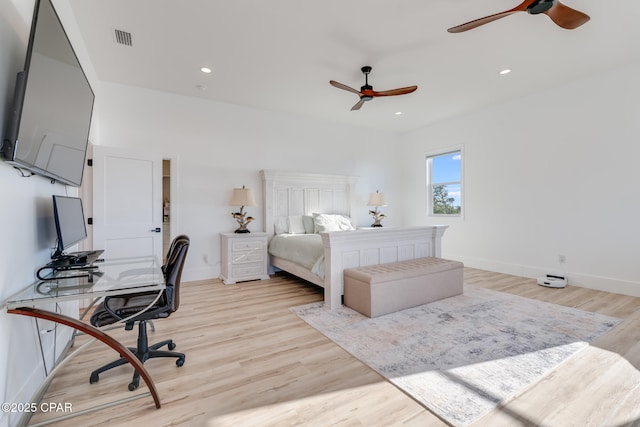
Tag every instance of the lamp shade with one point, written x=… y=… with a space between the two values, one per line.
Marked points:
x=242 y=197
x=376 y=199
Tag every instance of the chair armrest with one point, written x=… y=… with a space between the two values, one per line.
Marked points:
x=109 y=310
x=124 y=306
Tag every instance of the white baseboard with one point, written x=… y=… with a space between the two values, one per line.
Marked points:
x=206 y=273
x=607 y=284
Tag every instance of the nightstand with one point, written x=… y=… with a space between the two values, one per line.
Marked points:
x=243 y=257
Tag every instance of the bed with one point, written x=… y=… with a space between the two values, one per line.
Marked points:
x=293 y=201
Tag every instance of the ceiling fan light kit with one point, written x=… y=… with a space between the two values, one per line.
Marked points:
x=366 y=92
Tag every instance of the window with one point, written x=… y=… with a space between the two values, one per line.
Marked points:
x=444 y=184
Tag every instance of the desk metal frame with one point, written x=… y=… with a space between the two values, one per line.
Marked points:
x=134 y=275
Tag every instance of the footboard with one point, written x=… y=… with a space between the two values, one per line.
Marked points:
x=358 y=248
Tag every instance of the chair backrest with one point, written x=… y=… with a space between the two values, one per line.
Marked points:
x=173 y=270
x=171 y=251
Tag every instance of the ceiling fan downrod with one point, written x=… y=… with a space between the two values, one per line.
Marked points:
x=366 y=70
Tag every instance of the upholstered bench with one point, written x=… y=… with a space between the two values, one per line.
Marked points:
x=384 y=288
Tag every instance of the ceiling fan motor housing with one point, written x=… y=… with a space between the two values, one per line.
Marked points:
x=540 y=6
x=364 y=96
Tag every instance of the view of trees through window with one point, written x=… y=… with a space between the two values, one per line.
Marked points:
x=442 y=203
x=444 y=176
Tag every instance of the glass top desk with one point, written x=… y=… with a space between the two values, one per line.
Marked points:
x=113 y=277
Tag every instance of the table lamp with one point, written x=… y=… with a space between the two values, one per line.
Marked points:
x=376 y=199
x=242 y=197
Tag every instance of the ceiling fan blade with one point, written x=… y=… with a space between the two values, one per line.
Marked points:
x=566 y=17
x=522 y=7
x=477 y=22
x=344 y=87
x=392 y=92
x=358 y=105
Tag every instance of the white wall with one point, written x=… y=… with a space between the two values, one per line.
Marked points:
x=221 y=146
x=553 y=173
x=28 y=234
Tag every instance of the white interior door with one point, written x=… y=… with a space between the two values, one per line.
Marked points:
x=127 y=202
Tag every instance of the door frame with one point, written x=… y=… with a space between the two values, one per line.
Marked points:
x=173 y=186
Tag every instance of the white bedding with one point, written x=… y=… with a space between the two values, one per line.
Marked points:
x=305 y=250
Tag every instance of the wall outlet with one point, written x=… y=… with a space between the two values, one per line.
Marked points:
x=562 y=259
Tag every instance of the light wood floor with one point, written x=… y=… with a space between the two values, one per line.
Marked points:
x=251 y=362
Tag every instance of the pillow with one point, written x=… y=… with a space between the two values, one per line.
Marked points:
x=282 y=225
x=296 y=226
x=326 y=222
x=309 y=225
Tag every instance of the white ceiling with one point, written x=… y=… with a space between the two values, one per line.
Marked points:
x=279 y=55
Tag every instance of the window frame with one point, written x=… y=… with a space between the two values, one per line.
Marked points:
x=430 y=184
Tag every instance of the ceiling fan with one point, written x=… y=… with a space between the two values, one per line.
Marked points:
x=562 y=15
x=366 y=92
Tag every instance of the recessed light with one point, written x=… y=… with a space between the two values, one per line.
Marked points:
x=505 y=71
x=205 y=70
x=398 y=113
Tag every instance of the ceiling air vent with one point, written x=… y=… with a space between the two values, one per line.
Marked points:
x=123 y=37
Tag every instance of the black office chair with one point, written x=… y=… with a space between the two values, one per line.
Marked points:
x=134 y=271
x=116 y=308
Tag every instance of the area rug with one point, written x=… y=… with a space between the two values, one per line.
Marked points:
x=463 y=356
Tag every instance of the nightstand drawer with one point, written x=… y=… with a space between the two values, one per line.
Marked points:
x=246 y=257
x=248 y=270
x=247 y=245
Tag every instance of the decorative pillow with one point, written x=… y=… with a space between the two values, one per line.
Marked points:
x=326 y=222
x=309 y=225
x=296 y=226
x=282 y=225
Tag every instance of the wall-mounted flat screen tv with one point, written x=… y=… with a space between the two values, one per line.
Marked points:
x=48 y=130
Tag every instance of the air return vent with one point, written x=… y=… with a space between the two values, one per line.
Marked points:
x=123 y=37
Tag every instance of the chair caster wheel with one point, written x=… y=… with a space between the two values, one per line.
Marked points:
x=135 y=382
x=180 y=362
x=171 y=345
x=94 y=378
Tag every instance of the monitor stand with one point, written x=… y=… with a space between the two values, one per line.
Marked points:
x=81 y=263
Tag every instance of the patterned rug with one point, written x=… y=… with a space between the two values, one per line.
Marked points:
x=463 y=356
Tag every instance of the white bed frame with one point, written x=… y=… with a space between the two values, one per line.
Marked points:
x=296 y=193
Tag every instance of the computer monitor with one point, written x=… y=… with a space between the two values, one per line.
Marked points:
x=70 y=223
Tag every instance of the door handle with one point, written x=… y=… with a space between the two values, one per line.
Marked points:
x=156 y=230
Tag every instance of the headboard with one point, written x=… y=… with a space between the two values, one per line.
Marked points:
x=298 y=193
